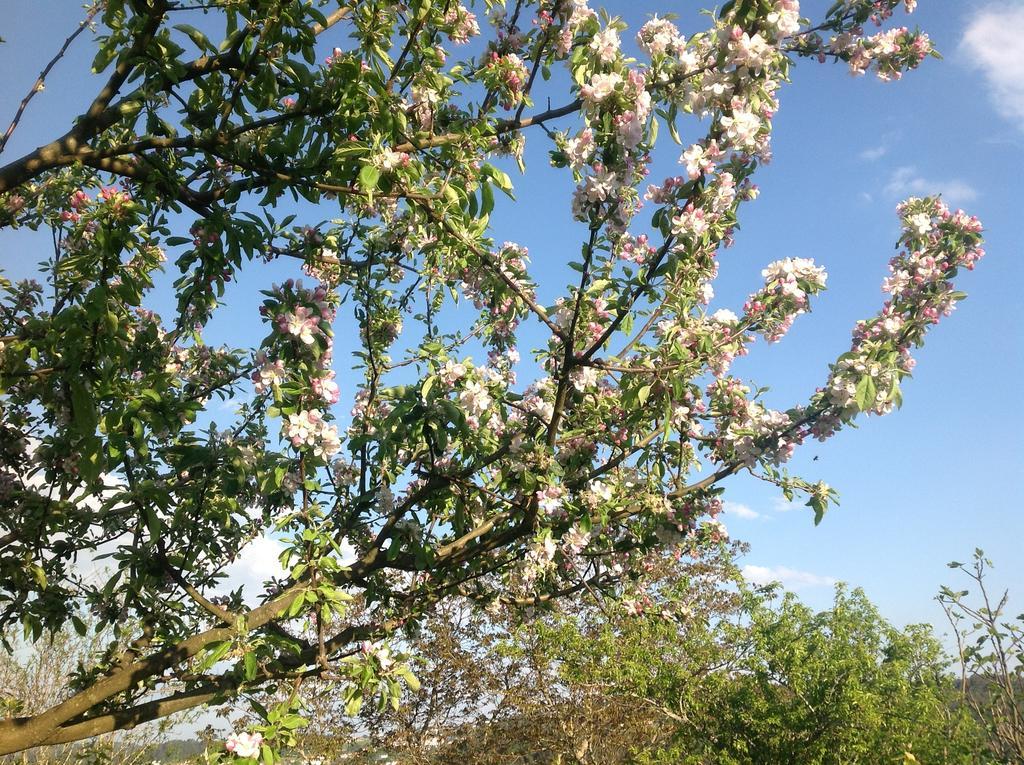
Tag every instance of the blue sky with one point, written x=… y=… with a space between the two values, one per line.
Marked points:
x=918 y=488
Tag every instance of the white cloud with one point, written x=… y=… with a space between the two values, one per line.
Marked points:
x=256 y=563
x=783 y=505
x=790 y=578
x=740 y=511
x=874 y=153
x=905 y=181
x=991 y=43
x=259 y=561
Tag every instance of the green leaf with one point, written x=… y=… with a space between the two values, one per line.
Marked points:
x=644 y=394
x=672 y=131
x=866 y=393
x=411 y=680
x=198 y=38
x=353 y=705
x=214 y=653
x=486 y=199
x=250 y=665
x=84 y=410
x=39 y=575
x=819 y=505
x=103 y=58
x=152 y=521
x=369 y=175
x=501 y=179
x=427 y=385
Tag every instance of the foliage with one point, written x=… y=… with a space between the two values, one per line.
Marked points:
x=990 y=650
x=841 y=685
x=709 y=670
x=375 y=174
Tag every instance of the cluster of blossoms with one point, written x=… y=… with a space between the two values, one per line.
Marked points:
x=605 y=45
x=748 y=129
x=601 y=189
x=601 y=87
x=302 y=341
x=379 y=654
x=505 y=75
x=268 y=374
x=742 y=94
x=245 y=745
x=199 y=365
x=462 y=24
x=751 y=51
x=367 y=412
x=609 y=155
x=594 y=315
x=77 y=202
x=747 y=431
x=679 y=518
x=538 y=401
x=938 y=242
x=701 y=158
x=756 y=437
x=708 y=215
x=784 y=18
x=635 y=249
x=586 y=378
x=344 y=473
x=14 y=204
x=322 y=263
x=389 y=160
x=578 y=151
x=713 y=341
x=538 y=560
x=575 y=16
x=424 y=105
x=890 y=53
x=714 y=531
x=550 y=502
x=475 y=389
x=111 y=203
x=501 y=308
x=308 y=429
x=788 y=284
x=573 y=542
x=204 y=235
x=660 y=37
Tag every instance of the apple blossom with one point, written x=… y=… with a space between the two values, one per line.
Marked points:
x=606 y=45
x=245 y=745
x=601 y=86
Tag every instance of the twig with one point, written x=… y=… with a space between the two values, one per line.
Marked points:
x=37 y=86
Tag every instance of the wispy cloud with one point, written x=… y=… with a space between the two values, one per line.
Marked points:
x=790 y=578
x=783 y=505
x=991 y=44
x=874 y=153
x=906 y=181
x=739 y=510
x=882 y=146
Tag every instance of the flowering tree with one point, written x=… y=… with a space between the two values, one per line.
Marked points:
x=449 y=476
